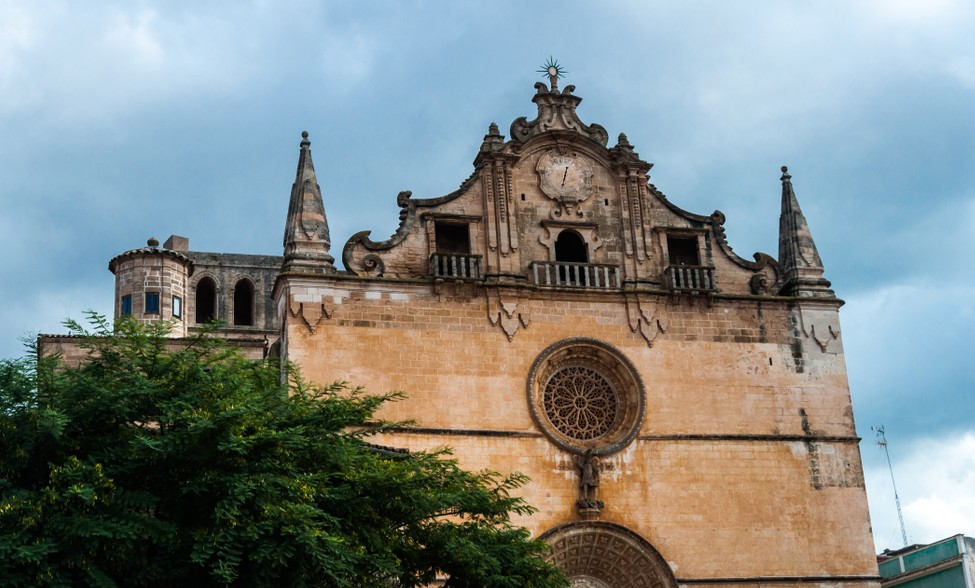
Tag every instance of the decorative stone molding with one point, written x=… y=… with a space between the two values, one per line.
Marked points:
x=507 y=309
x=373 y=265
x=631 y=187
x=643 y=318
x=310 y=312
x=762 y=283
x=602 y=554
x=822 y=326
x=588 y=232
x=556 y=112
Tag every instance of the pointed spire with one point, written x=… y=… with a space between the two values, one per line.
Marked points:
x=800 y=262
x=306 y=239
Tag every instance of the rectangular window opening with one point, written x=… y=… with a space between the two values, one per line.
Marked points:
x=683 y=250
x=126 y=305
x=152 y=302
x=453 y=238
x=177 y=307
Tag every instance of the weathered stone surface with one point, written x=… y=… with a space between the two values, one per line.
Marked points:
x=742 y=466
x=745 y=468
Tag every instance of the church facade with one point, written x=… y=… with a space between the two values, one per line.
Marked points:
x=683 y=413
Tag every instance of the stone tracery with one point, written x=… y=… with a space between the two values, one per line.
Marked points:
x=580 y=402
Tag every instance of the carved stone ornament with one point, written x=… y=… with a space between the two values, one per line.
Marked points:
x=643 y=318
x=556 y=112
x=373 y=265
x=507 y=309
x=822 y=326
x=588 y=466
x=565 y=177
x=600 y=554
x=310 y=312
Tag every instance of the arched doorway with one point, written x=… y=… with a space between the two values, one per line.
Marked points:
x=598 y=554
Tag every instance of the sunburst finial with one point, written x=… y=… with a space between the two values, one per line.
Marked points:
x=554 y=71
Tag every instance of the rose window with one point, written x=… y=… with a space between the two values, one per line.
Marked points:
x=580 y=403
x=585 y=395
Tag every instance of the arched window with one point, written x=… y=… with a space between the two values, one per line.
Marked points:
x=206 y=300
x=244 y=303
x=571 y=248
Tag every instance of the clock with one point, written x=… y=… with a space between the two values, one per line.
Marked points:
x=565 y=176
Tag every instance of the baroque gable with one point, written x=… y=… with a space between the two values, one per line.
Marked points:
x=554 y=206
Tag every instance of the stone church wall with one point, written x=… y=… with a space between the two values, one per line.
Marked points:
x=683 y=413
x=746 y=453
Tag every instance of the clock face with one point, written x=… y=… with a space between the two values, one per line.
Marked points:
x=566 y=177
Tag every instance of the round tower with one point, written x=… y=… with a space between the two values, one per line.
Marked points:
x=151 y=283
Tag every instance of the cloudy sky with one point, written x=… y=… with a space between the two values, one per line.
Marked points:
x=125 y=119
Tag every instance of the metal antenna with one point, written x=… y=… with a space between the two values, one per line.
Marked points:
x=882 y=441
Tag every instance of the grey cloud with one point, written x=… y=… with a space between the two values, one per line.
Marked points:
x=121 y=121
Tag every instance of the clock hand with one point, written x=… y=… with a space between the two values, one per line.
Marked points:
x=564 y=175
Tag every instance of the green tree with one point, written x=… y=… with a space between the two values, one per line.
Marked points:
x=153 y=464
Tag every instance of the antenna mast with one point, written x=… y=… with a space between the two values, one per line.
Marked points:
x=882 y=441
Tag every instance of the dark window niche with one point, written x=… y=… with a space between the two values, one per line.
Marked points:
x=127 y=305
x=683 y=250
x=244 y=303
x=206 y=300
x=570 y=247
x=453 y=238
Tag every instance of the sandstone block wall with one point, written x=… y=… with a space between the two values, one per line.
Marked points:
x=227 y=270
x=746 y=463
x=153 y=272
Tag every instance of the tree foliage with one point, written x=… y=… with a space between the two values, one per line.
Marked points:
x=153 y=464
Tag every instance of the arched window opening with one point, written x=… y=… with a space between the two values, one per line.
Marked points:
x=244 y=303
x=571 y=248
x=206 y=300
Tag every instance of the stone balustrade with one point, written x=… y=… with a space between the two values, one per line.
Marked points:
x=691 y=278
x=455 y=266
x=575 y=275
